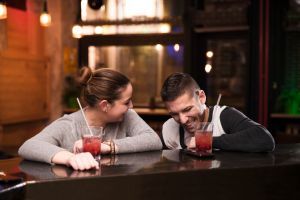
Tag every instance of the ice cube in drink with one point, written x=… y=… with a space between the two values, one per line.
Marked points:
x=92 y=144
x=203 y=141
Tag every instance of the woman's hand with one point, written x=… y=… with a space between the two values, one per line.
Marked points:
x=78 y=147
x=82 y=161
x=105 y=148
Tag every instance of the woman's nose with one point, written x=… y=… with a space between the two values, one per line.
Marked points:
x=130 y=105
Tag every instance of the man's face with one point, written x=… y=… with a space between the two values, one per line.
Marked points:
x=187 y=109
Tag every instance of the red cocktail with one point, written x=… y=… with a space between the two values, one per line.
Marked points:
x=203 y=137
x=204 y=141
x=92 y=144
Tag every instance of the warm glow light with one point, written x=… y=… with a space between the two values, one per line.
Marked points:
x=165 y=28
x=158 y=47
x=87 y=30
x=45 y=19
x=77 y=31
x=3 y=11
x=92 y=57
x=83 y=10
x=209 y=54
x=125 y=9
x=140 y=9
x=98 y=30
x=176 y=47
x=208 y=68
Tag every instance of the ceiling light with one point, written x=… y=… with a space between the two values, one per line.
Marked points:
x=45 y=18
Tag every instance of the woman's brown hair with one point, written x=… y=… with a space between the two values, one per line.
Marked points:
x=101 y=84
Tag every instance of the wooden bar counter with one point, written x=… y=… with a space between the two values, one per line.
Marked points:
x=166 y=174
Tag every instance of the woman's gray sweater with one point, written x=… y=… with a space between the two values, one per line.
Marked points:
x=130 y=135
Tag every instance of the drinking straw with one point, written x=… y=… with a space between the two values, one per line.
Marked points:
x=219 y=98
x=84 y=116
x=218 y=101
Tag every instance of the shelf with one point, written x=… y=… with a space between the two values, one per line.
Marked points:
x=70 y=110
x=221 y=29
x=155 y=111
x=293 y=29
x=132 y=39
x=284 y=116
x=174 y=21
x=283 y=138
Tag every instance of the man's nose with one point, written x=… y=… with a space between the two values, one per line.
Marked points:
x=182 y=118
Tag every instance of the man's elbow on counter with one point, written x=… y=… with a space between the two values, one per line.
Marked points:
x=269 y=142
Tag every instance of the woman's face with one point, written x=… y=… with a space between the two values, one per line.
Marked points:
x=118 y=109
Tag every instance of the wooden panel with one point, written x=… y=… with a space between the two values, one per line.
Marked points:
x=35 y=34
x=23 y=90
x=16 y=134
x=17 y=20
x=23 y=78
x=17 y=30
x=3 y=35
x=17 y=41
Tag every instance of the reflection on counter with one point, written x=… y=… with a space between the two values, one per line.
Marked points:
x=156 y=168
x=109 y=165
x=148 y=162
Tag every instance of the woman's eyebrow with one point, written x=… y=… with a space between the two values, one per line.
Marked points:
x=127 y=99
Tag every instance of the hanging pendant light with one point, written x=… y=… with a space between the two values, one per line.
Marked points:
x=45 y=18
x=3 y=10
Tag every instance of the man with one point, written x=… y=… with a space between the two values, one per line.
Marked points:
x=233 y=131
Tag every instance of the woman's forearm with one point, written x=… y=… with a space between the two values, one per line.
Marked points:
x=62 y=157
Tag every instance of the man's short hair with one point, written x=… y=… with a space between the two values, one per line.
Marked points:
x=176 y=85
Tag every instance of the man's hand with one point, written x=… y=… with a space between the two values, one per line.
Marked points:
x=192 y=143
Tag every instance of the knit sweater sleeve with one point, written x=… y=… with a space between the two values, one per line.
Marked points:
x=139 y=135
x=43 y=146
x=242 y=134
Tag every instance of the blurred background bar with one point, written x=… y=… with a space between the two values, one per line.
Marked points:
x=247 y=50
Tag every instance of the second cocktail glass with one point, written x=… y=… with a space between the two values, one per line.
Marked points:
x=203 y=137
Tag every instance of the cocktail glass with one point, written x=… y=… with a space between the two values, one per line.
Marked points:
x=92 y=143
x=203 y=137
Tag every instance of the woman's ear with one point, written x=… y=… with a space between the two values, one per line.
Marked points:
x=104 y=105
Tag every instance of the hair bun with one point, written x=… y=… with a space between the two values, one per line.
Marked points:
x=85 y=74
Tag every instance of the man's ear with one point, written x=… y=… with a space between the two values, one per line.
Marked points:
x=104 y=105
x=201 y=95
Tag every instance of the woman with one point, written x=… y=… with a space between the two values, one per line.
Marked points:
x=107 y=94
